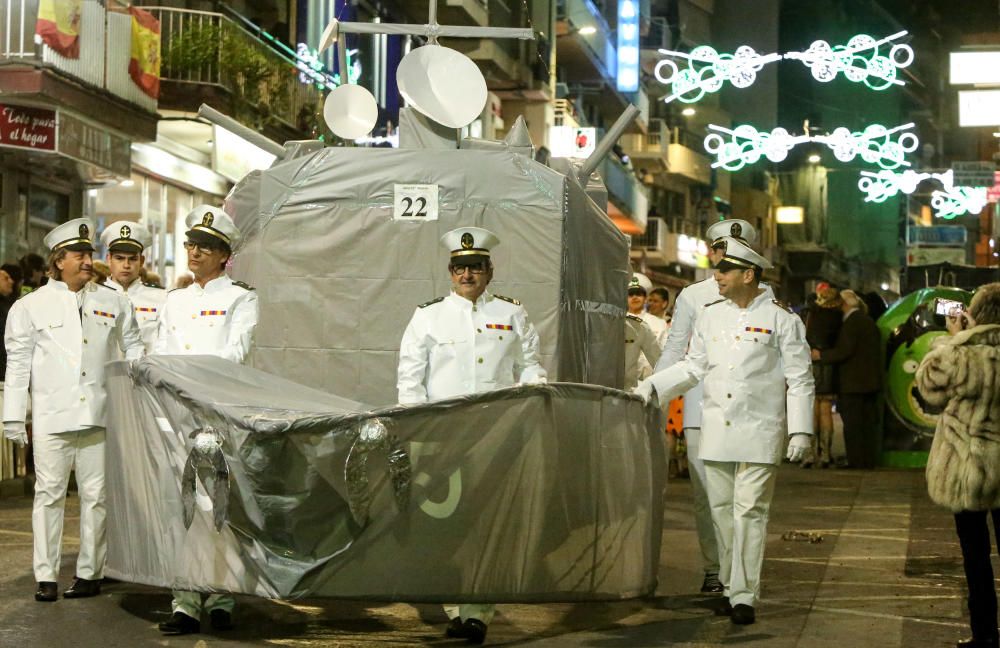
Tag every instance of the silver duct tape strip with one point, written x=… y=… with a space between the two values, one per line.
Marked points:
x=441 y=31
x=598 y=307
x=207 y=462
x=372 y=435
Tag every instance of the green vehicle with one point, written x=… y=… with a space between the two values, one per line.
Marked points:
x=908 y=328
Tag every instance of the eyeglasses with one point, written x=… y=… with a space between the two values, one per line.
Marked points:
x=204 y=249
x=459 y=270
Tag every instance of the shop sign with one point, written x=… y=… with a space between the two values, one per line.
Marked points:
x=692 y=251
x=571 y=142
x=29 y=128
x=938 y=235
x=933 y=255
x=81 y=141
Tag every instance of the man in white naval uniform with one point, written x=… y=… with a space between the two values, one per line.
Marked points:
x=688 y=306
x=58 y=340
x=468 y=342
x=640 y=341
x=752 y=353
x=125 y=242
x=213 y=316
x=639 y=288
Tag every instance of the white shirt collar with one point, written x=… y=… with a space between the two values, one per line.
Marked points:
x=465 y=303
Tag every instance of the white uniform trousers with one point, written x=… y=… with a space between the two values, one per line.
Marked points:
x=703 y=524
x=482 y=611
x=740 y=496
x=189 y=603
x=55 y=456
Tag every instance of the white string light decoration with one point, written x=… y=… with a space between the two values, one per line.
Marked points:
x=949 y=202
x=746 y=145
x=877 y=71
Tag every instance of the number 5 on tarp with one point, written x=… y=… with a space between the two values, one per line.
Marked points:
x=415 y=202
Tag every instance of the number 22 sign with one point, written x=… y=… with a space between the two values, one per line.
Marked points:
x=415 y=202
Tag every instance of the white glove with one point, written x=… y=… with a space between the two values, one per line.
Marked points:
x=644 y=390
x=799 y=446
x=16 y=432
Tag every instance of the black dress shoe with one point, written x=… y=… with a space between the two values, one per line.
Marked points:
x=220 y=620
x=726 y=609
x=455 y=629
x=711 y=584
x=475 y=631
x=742 y=614
x=82 y=588
x=180 y=624
x=978 y=643
x=47 y=592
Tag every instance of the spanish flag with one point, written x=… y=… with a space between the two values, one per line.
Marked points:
x=144 y=65
x=58 y=25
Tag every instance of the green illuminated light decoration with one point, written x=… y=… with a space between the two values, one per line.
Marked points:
x=747 y=145
x=949 y=202
x=708 y=70
x=878 y=71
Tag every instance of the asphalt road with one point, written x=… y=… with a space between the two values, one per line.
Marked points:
x=887 y=572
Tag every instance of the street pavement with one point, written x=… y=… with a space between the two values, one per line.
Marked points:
x=887 y=572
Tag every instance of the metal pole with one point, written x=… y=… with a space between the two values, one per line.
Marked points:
x=607 y=142
x=212 y=115
x=432 y=19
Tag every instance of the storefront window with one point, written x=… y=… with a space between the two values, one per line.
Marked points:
x=156 y=204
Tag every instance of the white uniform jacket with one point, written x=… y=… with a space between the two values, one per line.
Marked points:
x=657 y=325
x=60 y=347
x=148 y=304
x=218 y=320
x=691 y=301
x=452 y=347
x=746 y=357
x=640 y=341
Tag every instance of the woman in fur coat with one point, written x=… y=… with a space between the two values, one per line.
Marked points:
x=962 y=375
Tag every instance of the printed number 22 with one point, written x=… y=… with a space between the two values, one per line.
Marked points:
x=409 y=202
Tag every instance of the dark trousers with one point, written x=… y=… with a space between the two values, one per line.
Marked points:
x=862 y=436
x=974 y=537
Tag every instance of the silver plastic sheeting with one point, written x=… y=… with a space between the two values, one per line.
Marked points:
x=339 y=276
x=533 y=493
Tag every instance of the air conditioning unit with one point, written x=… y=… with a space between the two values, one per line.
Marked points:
x=654 y=239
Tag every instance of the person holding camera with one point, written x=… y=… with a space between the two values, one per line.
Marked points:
x=961 y=374
x=857 y=355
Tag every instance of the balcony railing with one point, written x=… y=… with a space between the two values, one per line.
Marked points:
x=208 y=49
x=105 y=37
x=625 y=189
x=658 y=36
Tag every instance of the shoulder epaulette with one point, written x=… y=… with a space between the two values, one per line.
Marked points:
x=634 y=317
x=103 y=286
x=433 y=301
x=782 y=305
x=717 y=301
x=243 y=285
x=149 y=285
x=508 y=299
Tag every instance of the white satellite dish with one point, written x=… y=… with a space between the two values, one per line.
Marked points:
x=443 y=84
x=350 y=111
